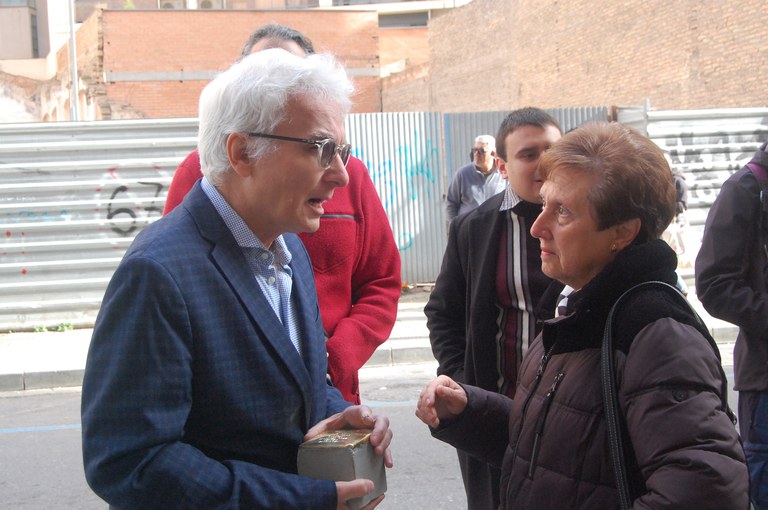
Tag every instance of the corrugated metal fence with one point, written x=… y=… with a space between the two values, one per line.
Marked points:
x=72 y=198
x=706 y=146
x=73 y=195
x=404 y=155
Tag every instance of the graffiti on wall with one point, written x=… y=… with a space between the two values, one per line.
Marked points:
x=406 y=182
x=706 y=160
x=135 y=204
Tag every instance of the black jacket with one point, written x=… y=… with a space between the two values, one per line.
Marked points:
x=731 y=274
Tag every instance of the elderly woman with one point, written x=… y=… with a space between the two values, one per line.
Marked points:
x=608 y=195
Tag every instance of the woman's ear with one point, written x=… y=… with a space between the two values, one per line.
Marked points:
x=626 y=232
x=237 y=154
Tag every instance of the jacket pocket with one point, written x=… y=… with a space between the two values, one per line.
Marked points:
x=333 y=244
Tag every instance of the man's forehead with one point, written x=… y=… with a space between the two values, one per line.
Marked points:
x=321 y=117
x=530 y=137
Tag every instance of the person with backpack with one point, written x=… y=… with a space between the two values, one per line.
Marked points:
x=607 y=196
x=731 y=282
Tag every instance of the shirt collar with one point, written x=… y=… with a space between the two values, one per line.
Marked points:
x=243 y=235
x=494 y=168
x=511 y=199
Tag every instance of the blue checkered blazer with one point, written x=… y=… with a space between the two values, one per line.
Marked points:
x=193 y=395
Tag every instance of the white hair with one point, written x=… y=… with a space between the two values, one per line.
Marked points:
x=252 y=96
x=488 y=140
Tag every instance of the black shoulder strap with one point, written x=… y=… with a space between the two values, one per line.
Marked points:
x=613 y=418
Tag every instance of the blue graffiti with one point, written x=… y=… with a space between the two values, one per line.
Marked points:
x=412 y=166
x=26 y=216
x=405 y=241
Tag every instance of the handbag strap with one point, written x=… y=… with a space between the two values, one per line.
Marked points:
x=611 y=410
x=610 y=392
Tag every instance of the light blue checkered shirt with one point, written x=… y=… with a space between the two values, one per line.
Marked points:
x=270 y=266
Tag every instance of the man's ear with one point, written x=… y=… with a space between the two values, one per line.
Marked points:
x=238 y=154
x=626 y=232
x=502 y=167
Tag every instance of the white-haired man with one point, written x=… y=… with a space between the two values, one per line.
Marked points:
x=476 y=182
x=199 y=385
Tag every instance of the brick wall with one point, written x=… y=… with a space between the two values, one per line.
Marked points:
x=398 y=43
x=407 y=91
x=196 y=41
x=687 y=54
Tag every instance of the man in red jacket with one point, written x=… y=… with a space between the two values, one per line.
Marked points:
x=353 y=253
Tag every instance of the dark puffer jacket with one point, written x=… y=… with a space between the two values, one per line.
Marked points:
x=556 y=454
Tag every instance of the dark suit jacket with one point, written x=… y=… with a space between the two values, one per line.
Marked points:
x=462 y=308
x=194 y=396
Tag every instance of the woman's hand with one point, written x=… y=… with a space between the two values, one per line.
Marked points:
x=442 y=398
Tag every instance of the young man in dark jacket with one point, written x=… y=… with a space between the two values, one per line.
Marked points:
x=480 y=314
x=731 y=281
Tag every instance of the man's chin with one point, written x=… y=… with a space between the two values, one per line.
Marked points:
x=311 y=226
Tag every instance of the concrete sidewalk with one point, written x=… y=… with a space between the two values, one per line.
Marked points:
x=54 y=359
x=57 y=359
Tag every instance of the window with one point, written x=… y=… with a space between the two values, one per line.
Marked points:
x=35 y=45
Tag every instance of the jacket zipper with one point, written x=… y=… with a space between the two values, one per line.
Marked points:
x=537 y=380
x=540 y=423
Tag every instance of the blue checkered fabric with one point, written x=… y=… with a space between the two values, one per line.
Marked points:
x=270 y=266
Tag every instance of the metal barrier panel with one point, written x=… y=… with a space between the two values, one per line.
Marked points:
x=707 y=146
x=403 y=153
x=72 y=198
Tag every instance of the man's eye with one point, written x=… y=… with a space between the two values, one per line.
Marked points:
x=562 y=211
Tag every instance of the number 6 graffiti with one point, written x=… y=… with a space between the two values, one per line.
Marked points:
x=111 y=213
x=114 y=212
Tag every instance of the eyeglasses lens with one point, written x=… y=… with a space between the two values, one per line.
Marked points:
x=329 y=150
x=480 y=151
x=344 y=153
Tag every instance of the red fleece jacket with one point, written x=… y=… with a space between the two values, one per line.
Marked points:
x=357 y=270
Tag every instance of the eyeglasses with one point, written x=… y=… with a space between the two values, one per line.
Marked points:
x=326 y=149
x=481 y=150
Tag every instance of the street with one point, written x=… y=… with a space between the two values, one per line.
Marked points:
x=41 y=464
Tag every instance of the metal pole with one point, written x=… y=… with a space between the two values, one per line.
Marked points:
x=74 y=109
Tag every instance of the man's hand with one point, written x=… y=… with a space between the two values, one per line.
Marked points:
x=355 y=489
x=442 y=398
x=358 y=417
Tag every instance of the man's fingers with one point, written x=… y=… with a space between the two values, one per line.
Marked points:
x=353 y=489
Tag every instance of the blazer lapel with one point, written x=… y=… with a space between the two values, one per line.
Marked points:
x=313 y=337
x=229 y=258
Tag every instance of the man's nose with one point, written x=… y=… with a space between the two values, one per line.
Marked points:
x=337 y=172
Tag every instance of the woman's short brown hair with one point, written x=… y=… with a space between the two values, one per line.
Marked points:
x=633 y=177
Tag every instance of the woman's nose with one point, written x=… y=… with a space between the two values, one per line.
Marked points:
x=537 y=226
